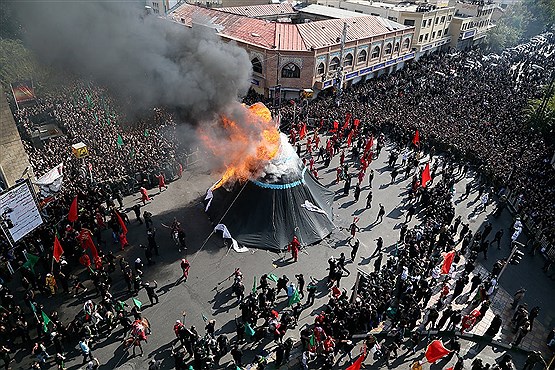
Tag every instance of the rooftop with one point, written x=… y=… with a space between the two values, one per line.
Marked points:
x=283 y=36
x=326 y=11
x=260 y=11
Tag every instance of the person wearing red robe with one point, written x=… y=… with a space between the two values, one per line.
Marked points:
x=85 y=238
x=161 y=182
x=294 y=247
x=145 y=196
x=85 y=260
x=179 y=170
x=100 y=220
x=123 y=240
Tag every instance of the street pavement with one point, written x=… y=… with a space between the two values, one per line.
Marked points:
x=207 y=292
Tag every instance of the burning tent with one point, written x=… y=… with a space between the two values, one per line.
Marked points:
x=278 y=200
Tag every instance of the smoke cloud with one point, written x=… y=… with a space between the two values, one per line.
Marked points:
x=145 y=59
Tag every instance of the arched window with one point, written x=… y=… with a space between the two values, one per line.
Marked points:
x=321 y=69
x=388 y=48
x=396 y=48
x=376 y=52
x=348 y=60
x=290 y=70
x=334 y=64
x=256 y=65
x=406 y=43
x=362 y=55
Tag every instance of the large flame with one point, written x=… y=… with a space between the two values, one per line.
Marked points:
x=247 y=147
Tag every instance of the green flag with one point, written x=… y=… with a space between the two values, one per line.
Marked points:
x=31 y=261
x=249 y=330
x=95 y=119
x=273 y=277
x=120 y=139
x=89 y=100
x=254 y=286
x=312 y=340
x=295 y=298
x=132 y=153
x=45 y=322
x=147 y=134
x=33 y=308
x=120 y=305
x=137 y=303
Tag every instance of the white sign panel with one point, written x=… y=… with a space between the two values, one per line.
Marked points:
x=19 y=211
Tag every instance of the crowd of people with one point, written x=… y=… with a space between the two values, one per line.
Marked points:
x=470 y=105
x=470 y=110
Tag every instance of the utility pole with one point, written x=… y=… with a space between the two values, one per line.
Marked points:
x=339 y=75
x=510 y=261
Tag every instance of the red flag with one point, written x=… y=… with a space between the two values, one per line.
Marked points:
x=58 y=251
x=369 y=145
x=350 y=138
x=121 y=224
x=73 y=212
x=416 y=138
x=447 y=261
x=356 y=122
x=358 y=363
x=335 y=126
x=426 y=175
x=85 y=238
x=347 y=121
x=435 y=351
x=302 y=132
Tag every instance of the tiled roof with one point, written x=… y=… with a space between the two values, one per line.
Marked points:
x=288 y=37
x=326 y=33
x=329 y=12
x=293 y=37
x=257 y=11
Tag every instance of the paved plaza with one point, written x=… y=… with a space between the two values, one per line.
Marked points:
x=207 y=293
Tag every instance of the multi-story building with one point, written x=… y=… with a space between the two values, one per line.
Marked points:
x=471 y=22
x=300 y=56
x=431 y=22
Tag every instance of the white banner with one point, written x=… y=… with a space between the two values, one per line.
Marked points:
x=51 y=182
x=18 y=211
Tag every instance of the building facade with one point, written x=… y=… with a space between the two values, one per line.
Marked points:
x=298 y=56
x=431 y=22
x=471 y=23
x=14 y=161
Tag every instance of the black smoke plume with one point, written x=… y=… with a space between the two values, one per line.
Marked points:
x=141 y=58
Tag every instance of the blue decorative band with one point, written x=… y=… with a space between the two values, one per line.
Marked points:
x=281 y=186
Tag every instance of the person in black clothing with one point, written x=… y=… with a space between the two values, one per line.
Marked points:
x=237 y=355
x=354 y=249
x=151 y=292
x=300 y=284
x=381 y=213
x=137 y=210
x=494 y=326
x=282 y=283
x=311 y=290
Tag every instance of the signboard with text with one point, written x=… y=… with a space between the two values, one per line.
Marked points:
x=19 y=212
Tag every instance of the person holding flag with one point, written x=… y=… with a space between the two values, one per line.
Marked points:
x=426 y=177
x=416 y=139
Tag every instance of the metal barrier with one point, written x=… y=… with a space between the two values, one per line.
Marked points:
x=514 y=200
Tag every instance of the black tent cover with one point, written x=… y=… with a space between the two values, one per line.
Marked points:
x=267 y=213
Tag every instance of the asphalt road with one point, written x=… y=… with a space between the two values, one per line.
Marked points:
x=207 y=292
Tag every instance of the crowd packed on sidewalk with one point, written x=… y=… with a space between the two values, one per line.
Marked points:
x=409 y=114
